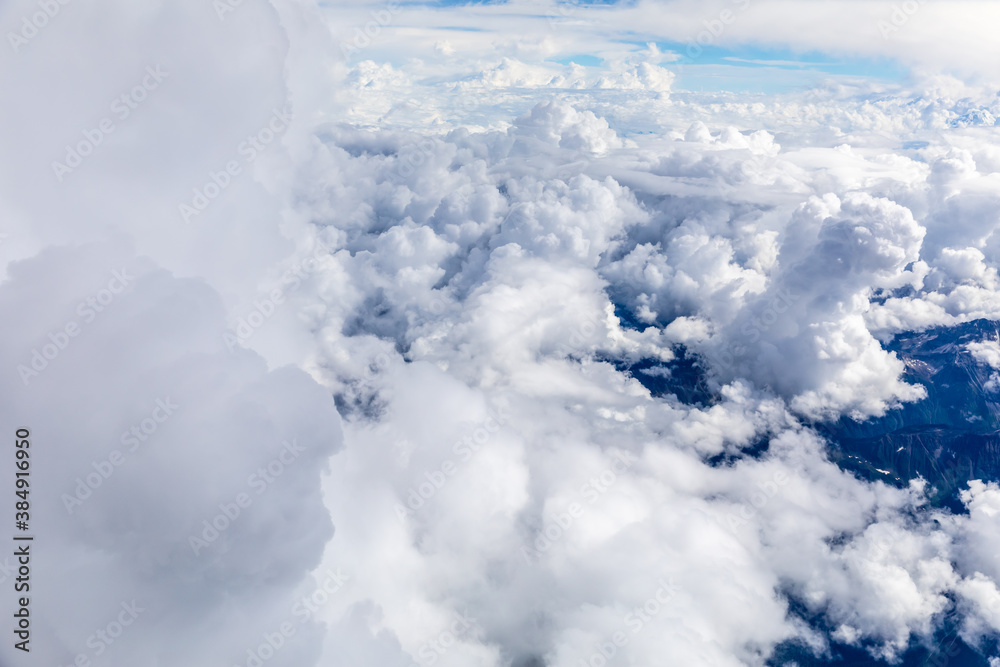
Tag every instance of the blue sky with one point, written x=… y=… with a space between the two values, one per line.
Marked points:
x=751 y=68
x=770 y=70
x=744 y=68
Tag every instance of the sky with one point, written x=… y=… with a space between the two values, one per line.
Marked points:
x=318 y=316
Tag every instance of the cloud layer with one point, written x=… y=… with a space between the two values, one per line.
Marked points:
x=325 y=345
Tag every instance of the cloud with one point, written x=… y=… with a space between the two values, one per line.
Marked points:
x=524 y=314
x=178 y=475
x=502 y=272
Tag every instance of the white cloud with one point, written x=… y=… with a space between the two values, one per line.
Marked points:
x=506 y=234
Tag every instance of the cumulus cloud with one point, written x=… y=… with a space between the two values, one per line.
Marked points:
x=497 y=345
x=179 y=475
x=555 y=272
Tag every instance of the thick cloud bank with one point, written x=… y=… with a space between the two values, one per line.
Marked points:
x=395 y=334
